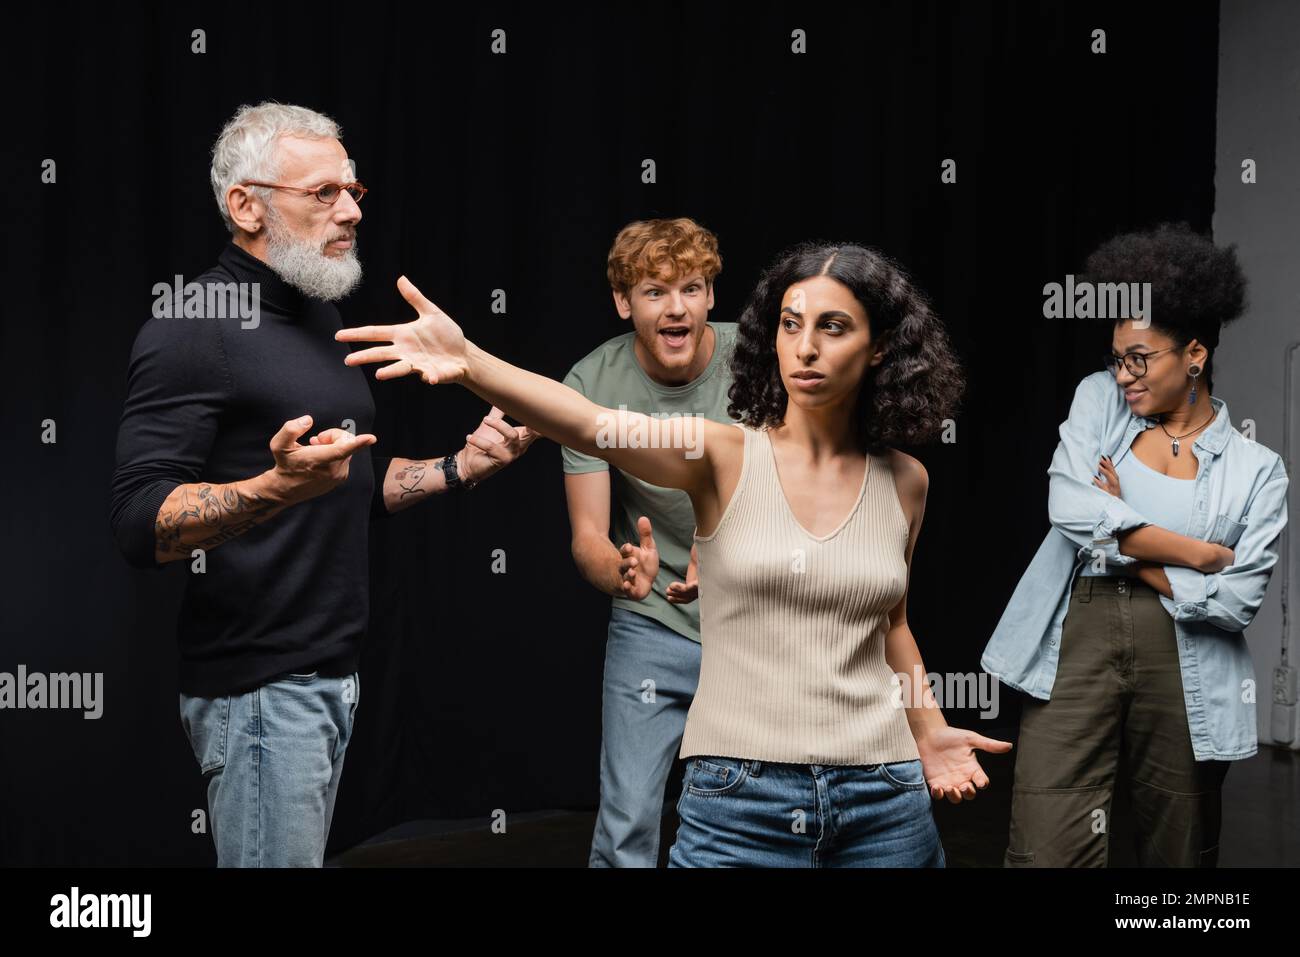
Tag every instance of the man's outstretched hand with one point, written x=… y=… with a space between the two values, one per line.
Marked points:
x=639 y=564
x=494 y=445
x=683 y=593
x=432 y=345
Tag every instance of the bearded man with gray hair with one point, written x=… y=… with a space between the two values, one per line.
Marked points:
x=275 y=534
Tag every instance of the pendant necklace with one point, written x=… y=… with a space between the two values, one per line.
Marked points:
x=1174 y=444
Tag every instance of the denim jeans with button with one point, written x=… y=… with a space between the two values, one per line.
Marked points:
x=272 y=758
x=744 y=813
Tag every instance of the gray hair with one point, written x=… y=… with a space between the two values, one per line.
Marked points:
x=246 y=147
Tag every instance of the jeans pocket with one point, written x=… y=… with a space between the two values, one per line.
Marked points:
x=904 y=775
x=350 y=695
x=351 y=689
x=206 y=722
x=714 y=776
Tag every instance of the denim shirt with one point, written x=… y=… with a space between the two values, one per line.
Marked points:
x=1238 y=500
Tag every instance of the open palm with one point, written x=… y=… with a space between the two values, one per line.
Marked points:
x=432 y=345
x=948 y=758
x=639 y=564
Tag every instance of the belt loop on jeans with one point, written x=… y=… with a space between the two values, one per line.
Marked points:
x=754 y=768
x=1085 y=588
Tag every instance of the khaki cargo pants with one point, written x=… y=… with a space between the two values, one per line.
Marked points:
x=1118 y=693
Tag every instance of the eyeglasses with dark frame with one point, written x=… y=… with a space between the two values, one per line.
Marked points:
x=327 y=193
x=1134 y=362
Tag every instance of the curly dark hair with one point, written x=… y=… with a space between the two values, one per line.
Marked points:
x=1196 y=287
x=905 y=399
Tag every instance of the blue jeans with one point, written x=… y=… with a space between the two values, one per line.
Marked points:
x=738 y=813
x=651 y=673
x=272 y=758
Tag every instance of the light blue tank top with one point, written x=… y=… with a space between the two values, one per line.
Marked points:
x=1161 y=500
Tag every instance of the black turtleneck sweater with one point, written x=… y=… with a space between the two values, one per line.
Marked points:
x=204 y=397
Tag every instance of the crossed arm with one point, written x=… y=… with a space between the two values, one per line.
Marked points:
x=1086 y=510
x=1228 y=587
x=1154 y=547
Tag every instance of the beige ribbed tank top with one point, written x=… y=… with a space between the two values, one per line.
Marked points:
x=792 y=626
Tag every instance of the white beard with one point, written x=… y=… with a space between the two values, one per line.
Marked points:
x=306 y=267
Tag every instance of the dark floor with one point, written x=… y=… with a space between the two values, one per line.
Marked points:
x=1261 y=811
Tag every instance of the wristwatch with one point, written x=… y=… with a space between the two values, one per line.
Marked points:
x=452 y=477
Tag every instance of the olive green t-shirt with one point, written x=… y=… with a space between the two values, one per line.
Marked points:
x=611 y=377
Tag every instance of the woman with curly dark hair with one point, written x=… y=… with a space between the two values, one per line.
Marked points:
x=805 y=752
x=1127 y=628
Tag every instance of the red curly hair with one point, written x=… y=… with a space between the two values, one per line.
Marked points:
x=664 y=249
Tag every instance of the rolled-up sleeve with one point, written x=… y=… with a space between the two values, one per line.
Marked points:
x=177 y=386
x=1230 y=598
x=1081 y=511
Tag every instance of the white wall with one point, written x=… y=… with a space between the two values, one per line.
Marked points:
x=1259 y=118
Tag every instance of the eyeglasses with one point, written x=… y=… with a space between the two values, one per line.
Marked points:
x=327 y=193
x=1134 y=362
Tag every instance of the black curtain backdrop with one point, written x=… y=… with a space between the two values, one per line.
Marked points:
x=481 y=691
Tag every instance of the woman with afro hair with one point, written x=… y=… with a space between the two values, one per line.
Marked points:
x=806 y=750
x=1127 y=629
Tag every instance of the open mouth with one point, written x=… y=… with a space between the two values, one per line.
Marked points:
x=675 y=335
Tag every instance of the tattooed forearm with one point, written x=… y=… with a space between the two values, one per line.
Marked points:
x=411 y=480
x=191 y=514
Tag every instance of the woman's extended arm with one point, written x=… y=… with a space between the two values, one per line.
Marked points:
x=671 y=452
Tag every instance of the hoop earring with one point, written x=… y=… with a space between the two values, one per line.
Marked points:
x=1194 y=372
